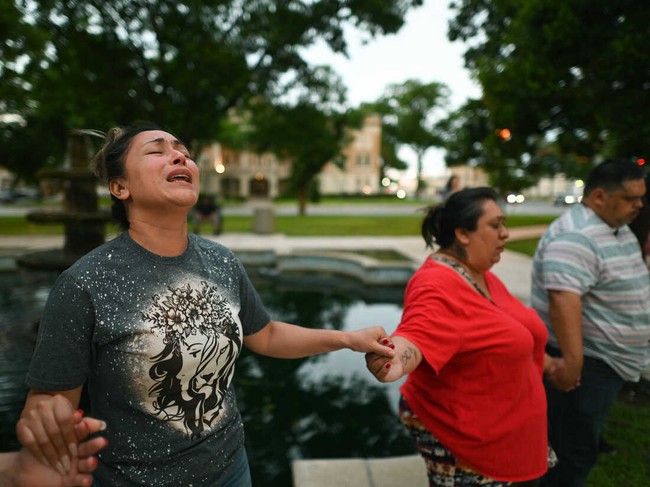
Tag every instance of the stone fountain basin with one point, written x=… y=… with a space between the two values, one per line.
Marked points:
x=364 y=269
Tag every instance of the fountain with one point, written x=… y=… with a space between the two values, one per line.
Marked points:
x=81 y=216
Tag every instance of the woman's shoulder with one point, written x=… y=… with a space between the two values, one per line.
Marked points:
x=492 y=278
x=497 y=286
x=115 y=248
x=434 y=276
x=95 y=266
x=203 y=243
x=212 y=249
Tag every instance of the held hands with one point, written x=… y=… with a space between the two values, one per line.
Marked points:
x=52 y=430
x=560 y=374
x=551 y=364
x=372 y=340
x=29 y=471
x=47 y=431
x=384 y=369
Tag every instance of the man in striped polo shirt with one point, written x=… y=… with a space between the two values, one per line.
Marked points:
x=592 y=289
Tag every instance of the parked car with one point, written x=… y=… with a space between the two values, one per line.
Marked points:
x=6 y=196
x=11 y=195
x=566 y=199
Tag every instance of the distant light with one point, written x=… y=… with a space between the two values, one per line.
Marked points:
x=12 y=118
x=579 y=183
x=569 y=200
x=640 y=161
x=385 y=182
x=515 y=198
x=366 y=189
x=259 y=176
x=505 y=134
x=401 y=194
x=220 y=168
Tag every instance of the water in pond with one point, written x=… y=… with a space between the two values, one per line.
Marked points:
x=327 y=406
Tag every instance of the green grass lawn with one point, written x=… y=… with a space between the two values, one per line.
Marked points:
x=525 y=246
x=309 y=225
x=338 y=225
x=628 y=429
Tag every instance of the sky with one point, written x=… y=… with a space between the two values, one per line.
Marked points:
x=420 y=50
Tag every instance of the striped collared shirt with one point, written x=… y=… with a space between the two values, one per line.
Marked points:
x=580 y=253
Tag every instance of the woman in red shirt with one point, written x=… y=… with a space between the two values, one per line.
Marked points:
x=474 y=401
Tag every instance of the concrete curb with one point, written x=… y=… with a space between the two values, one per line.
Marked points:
x=358 y=472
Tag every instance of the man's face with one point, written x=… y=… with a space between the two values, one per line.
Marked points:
x=620 y=207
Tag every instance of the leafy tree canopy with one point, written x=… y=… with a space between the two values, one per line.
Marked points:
x=472 y=138
x=567 y=77
x=310 y=131
x=411 y=112
x=93 y=64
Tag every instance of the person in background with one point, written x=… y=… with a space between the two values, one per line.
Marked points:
x=207 y=210
x=592 y=289
x=640 y=226
x=22 y=469
x=474 y=399
x=153 y=322
x=452 y=185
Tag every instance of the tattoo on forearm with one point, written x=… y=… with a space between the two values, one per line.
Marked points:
x=408 y=354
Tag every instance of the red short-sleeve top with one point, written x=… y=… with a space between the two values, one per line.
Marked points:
x=479 y=386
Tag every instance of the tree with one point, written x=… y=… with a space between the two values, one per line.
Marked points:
x=310 y=131
x=563 y=73
x=94 y=64
x=409 y=113
x=471 y=138
x=303 y=133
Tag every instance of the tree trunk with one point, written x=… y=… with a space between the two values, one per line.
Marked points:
x=302 y=201
x=420 y=182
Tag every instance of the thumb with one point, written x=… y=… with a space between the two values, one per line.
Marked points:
x=383 y=350
x=88 y=426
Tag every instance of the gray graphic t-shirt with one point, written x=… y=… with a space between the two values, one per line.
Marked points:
x=156 y=340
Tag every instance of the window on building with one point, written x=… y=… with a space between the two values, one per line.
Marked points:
x=363 y=160
x=258 y=186
x=230 y=187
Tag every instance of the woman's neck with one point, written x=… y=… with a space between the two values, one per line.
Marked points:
x=166 y=241
x=477 y=275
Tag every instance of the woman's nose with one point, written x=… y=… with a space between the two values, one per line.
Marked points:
x=179 y=158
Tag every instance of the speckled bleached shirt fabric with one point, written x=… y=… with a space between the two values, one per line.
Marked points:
x=156 y=338
x=581 y=254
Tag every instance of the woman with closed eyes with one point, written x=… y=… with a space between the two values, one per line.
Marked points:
x=153 y=322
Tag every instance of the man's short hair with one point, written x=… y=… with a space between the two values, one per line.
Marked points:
x=612 y=174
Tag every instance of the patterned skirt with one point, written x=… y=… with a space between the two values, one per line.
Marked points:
x=443 y=469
